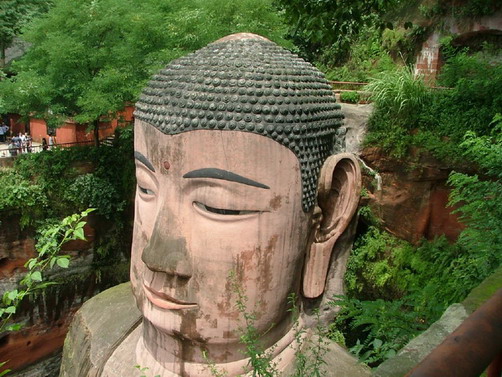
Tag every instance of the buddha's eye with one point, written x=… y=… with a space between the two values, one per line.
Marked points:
x=145 y=190
x=222 y=211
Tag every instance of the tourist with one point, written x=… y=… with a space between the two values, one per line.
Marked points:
x=52 y=141
x=13 y=148
x=16 y=140
x=28 y=142
x=3 y=132
x=22 y=137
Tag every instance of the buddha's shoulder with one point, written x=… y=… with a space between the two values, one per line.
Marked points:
x=340 y=363
x=325 y=357
x=99 y=326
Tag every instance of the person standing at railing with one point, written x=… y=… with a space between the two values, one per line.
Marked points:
x=16 y=140
x=22 y=143
x=44 y=144
x=52 y=141
x=12 y=148
x=28 y=142
x=3 y=132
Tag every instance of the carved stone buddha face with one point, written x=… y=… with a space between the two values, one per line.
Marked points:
x=210 y=204
x=229 y=188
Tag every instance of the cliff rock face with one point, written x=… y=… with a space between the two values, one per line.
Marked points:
x=412 y=202
x=47 y=315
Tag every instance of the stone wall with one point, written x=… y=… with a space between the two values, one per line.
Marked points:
x=412 y=201
x=429 y=61
x=47 y=315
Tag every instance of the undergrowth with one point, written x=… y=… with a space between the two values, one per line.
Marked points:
x=395 y=290
x=408 y=114
x=52 y=184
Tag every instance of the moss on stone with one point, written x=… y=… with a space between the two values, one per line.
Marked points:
x=483 y=291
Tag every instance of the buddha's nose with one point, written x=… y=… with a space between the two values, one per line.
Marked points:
x=166 y=251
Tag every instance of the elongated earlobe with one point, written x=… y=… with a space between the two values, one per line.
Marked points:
x=338 y=197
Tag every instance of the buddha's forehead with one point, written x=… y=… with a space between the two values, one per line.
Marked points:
x=263 y=167
x=242 y=152
x=251 y=85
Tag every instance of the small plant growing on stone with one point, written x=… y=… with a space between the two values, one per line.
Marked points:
x=309 y=350
x=260 y=360
x=143 y=371
x=48 y=247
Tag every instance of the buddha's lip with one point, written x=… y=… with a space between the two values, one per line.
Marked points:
x=165 y=301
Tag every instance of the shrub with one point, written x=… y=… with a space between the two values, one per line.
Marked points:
x=18 y=193
x=406 y=113
x=401 y=94
x=367 y=58
x=350 y=97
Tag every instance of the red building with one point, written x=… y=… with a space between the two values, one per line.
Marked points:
x=70 y=131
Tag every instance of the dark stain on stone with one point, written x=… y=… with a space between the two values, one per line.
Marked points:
x=275 y=203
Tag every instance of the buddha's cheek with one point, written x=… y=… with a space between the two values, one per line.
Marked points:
x=140 y=240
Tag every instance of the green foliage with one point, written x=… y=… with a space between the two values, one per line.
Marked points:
x=325 y=30
x=478 y=201
x=5 y=371
x=385 y=325
x=408 y=114
x=54 y=183
x=88 y=58
x=350 y=97
x=467 y=9
x=57 y=173
x=399 y=98
x=369 y=274
x=366 y=58
x=400 y=94
x=50 y=241
x=471 y=103
x=88 y=190
x=14 y=15
x=395 y=290
x=17 y=193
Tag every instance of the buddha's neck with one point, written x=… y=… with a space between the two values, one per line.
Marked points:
x=171 y=356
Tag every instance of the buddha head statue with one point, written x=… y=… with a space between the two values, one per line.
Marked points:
x=237 y=186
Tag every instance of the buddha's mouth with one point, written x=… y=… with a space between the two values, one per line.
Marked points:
x=164 y=301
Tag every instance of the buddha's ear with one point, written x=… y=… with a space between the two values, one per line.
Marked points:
x=337 y=200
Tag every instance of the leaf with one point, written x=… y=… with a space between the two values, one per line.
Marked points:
x=377 y=343
x=46 y=284
x=36 y=276
x=31 y=263
x=63 y=262
x=80 y=225
x=79 y=233
x=10 y=310
x=14 y=327
x=12 y=295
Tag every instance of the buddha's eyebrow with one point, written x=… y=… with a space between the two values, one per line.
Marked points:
x=223 y=175
x=138 y=156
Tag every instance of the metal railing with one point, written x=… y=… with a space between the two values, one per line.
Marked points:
x=5 y=151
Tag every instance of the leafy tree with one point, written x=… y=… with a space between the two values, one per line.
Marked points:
x=14 y=14
x=325 y=29
x=88 y=58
